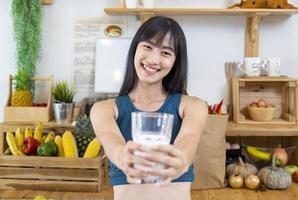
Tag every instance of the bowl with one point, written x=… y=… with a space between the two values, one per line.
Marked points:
x=261 y=114
x=262 y=156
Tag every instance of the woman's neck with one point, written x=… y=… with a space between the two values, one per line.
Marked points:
x=148 y=93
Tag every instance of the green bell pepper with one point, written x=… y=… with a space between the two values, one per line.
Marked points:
x=47 y=149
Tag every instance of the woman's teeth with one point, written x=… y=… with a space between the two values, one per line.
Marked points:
x=150 y=69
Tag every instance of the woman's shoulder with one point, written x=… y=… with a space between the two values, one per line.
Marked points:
x=105 y=106
x=193 y=103
x=186 y=99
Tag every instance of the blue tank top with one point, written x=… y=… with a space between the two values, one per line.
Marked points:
x=125 y=107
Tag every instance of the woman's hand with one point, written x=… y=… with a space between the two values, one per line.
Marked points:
x=129 y=159
x=174 y=159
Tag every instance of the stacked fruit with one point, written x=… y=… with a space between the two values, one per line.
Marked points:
x=37 y=143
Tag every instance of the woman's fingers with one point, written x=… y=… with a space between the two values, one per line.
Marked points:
x=167 y=173
x=162 y=158
x=169 y=149
x=133 y=180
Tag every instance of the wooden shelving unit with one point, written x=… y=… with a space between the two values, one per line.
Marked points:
x=253 y=21
x=254 y=18
x=234 y=129
x=198 y=11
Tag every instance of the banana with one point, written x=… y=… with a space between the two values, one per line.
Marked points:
x=11 y=141
x=255 y=152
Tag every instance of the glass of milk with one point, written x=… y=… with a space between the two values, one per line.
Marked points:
x=151 y=128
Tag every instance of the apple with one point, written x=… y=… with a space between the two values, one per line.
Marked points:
x=291 y=169
x=295 y=176
x=281 y=157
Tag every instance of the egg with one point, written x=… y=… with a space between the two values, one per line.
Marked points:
x=253 y=104
x=261 y=103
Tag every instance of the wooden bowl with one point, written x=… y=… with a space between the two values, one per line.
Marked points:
x=261 y=114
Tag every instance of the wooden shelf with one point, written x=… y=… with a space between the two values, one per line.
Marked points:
x=234 y=129
x=11 y=126
x=266 y=79
x=254 y=18
x=198 y=11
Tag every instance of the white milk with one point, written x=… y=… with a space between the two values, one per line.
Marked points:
x=150 y=138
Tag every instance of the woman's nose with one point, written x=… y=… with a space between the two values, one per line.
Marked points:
x=153 y=58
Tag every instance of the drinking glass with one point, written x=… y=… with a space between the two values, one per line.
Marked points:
x=151 y=128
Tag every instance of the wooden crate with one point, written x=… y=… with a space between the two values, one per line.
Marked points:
x=279 y=91
x=48 y=173
x=29 y=114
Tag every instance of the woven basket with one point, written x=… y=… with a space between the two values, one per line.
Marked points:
x=261 y=114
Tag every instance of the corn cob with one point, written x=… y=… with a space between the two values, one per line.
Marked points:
x=38 y=132
x=93 y=149
x=58 y=141
x=50 y=136
x=69 y=145
x=10 y=139
x=28 y=132
x=19 y=138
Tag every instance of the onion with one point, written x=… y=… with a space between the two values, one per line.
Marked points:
x=228 y=146
x=252 y=182
x=235 y=146
x=235 y=182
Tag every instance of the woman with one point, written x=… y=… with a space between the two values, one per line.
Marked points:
x=155 y=81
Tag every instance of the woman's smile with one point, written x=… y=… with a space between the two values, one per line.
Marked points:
x=149 y=69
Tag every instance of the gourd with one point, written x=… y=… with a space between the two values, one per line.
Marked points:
x=235 y=168
x=275 y=177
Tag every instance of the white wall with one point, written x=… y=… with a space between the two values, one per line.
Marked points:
x=212 y=41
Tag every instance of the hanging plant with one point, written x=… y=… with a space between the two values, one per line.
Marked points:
x=27 y=18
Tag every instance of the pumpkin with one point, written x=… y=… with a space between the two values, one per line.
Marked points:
x=275 y=177
x=241 y=168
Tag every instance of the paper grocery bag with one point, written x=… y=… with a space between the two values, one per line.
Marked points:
x=210 y=159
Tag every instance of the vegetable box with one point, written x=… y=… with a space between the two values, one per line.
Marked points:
x=48 y=173
x=278 y=92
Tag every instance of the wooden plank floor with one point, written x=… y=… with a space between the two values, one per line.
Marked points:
x=107 y=194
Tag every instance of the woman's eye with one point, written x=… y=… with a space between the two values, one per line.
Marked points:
x=147 y=46
x=166 y=53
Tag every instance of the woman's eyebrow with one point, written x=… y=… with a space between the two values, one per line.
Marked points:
x=163 y=47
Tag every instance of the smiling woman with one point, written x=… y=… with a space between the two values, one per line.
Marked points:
x=155 y=81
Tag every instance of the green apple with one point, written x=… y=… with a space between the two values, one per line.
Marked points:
x=291 y=169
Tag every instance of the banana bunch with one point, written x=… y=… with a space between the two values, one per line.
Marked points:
x=257 y=153
x=12 y=144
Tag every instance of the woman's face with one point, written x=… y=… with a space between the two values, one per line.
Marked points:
x=153 y=63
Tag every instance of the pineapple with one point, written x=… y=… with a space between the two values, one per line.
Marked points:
x=22 y=95
x=84 y=133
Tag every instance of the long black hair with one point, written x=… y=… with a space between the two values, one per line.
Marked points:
x=157 y=28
